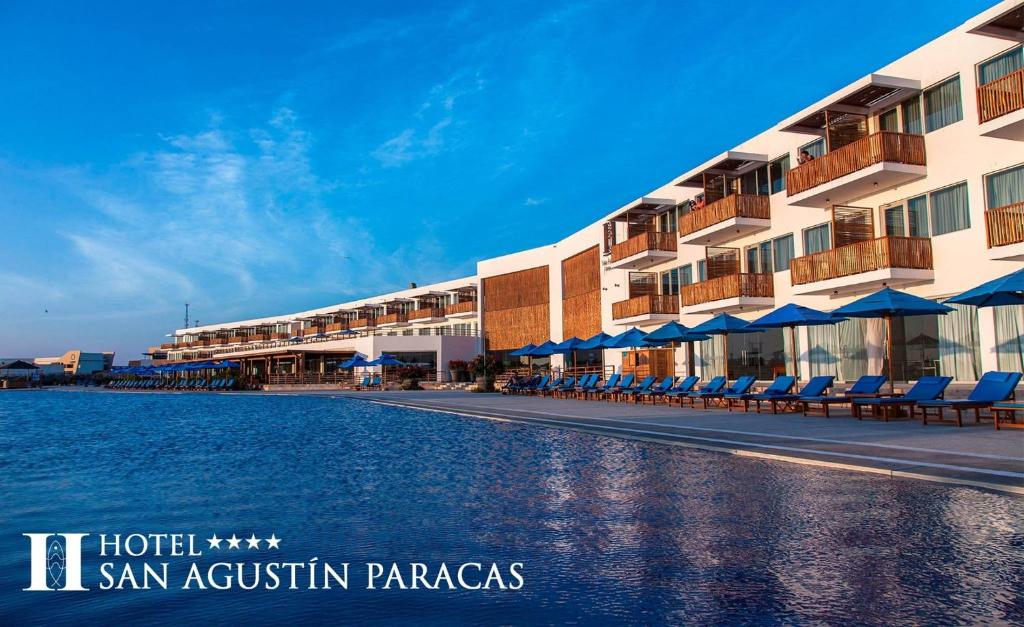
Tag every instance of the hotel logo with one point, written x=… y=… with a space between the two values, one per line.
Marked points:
x=56 y=558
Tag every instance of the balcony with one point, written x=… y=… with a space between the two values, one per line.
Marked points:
x=1004 y=228
x=646 y=309
x=734 y=216
x=864 y=266
x=335 y=327
x=427 y=315
x=362 y=323
x=308 y=331
x=1001 y=107
x=871 y=164
x=393 y=320
x=643 y=251
x=729 y=293
x=257 y=337
x=465 y=309
x=279 y=335
x=219 y=341
x=165 y=346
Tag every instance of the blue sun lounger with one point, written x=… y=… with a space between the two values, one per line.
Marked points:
x=815 y=387
x=636 y=389
x=624 y=384
x=657 y=390
x=991 y=388
x=926 y=389
x=551 y=385
x=740 y=386
x=865 y=387
x=714 y=386
x=779 y=387
x=685 y=386
x=608 y=385
x=586 y=386
x=536 y=384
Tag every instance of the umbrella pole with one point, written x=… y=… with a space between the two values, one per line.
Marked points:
x=796 y=362
x=725 y=356
x=888 y=351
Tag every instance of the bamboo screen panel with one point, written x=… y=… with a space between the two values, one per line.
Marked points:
x=722 y=262
x=851 y=225
x=581 y=294
x=845 y=128
x=516 y=309
x=642 y=284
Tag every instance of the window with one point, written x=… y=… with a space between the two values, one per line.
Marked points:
x=949 y=209
x=783 y=252
x=917 y=216
x=702 y=270
x=1005 y=188
x=777 y=173
x=894 y=221
x=816 y=148
x=670 y=282
x=667 y=222
x=911 y=110
x=755 y=181
x=999 y=66
x=817 y=239
x=752 y=265
x=889 y=120
x=764 y=252
x=686 y=274
x=942 y=104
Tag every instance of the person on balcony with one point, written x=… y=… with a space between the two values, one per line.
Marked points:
x=804 y=157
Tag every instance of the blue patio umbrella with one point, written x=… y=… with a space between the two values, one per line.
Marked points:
x=568 y=346
x=672 y=331
x=631 y=338
x=794 y=316
x=295 y=338
x=356 y=362
x=522 y=351
x=1006 y=290
x=543 y=350
x=887 y=303
x=723 y=324
x=386 y=360
x=594 y=342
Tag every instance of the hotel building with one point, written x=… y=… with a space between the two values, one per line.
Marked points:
x=911 y=177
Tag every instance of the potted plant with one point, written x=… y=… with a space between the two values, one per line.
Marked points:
x=410 y=377
x=486 y=368
x=459 y=369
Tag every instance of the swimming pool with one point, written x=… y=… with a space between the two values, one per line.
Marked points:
x=605 y=529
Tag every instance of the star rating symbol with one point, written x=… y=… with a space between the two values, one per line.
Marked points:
x=234 y=542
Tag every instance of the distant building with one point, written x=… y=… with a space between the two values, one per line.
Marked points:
x=79 y=362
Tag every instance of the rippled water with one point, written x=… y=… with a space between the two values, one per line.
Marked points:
x=607 y=529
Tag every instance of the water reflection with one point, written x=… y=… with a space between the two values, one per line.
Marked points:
x=609 y=529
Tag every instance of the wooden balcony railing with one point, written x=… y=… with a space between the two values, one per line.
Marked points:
x=392 y=318
x=1005 y=225
x=651 y=240
x=867 y=151
x=361 y=323
x=218 y=341
x=459 y=308
x=426 y=312
x=336 y=326
x=309 y=331
x=754 y=285
x=644 y=305
x=279 y=335
x=167 y=345
x=256 y=337
x=873 y=254
x=1001 y=96
x=201 y=343
x=732 y=206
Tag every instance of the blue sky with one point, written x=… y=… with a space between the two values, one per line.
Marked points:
x=260 y=158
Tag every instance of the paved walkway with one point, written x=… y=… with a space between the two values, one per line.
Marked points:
x=974 y=455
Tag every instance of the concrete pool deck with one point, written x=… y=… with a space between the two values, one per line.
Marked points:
x=976 y=455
